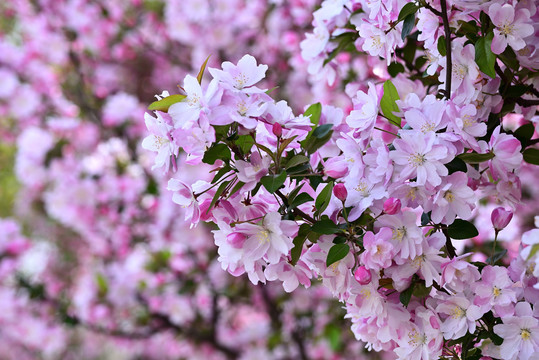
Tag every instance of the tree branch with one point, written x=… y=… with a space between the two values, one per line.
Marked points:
x=449 y=65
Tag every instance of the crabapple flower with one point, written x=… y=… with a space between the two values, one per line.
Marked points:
x=423 y=339
x=187 y=111
x=339 y=190
x=458 y=274
x=520 y=334
x=241 y=77
x=291 y=276
x=269 y=240
x=406 y=235
x=362 y=275
x=419 y=157
x=336 y=167
x=511 y=27
x=500 y=218
x=314 y=43
x=365 y=112
x=251 y=172
x=183 y=195
x=461 y=315
x=392 y=206
x=495 y=290
x=507 y=156
x=160 y=140
x=452 y=199
x=378 y=252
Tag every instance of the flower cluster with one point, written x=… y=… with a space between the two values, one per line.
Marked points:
x=370 y=199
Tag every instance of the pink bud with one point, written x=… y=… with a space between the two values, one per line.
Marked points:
x=500 y=218
x=392 y=206
x=336 y=167
x=362 y=275
x=236 y=239
x=340 y=192
x=277 y=130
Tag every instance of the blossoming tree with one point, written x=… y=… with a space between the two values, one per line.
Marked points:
x=375 y=199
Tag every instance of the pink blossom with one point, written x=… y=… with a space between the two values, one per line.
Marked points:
x=461 y=315
x=512 y=27
x=184 y=196
x=241 y=77
x=454 y=198
x=291 y=276
x=507 y=156
x=500 y=218
x=520 y=334
x=406 y=235
x=378 y=252
x=420 y=157
x=160 y=140
x=392 y=206
x=251 y=172
x=495 y=290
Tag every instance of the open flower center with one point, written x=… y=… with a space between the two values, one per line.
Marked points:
x=525 y=334
x=457 y=312
x=449 y=196
x=496 y=291
x=264 y=236
x=507 y=28
x=417 y=159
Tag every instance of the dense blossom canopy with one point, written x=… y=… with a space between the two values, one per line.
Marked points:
x=332 y=165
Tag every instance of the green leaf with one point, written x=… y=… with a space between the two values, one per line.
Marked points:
x=531 y=156
x=266 y=150
x=102 y=285
x=299 y=240
x=408 y=9
x=224 y=170
x=313 y=143
x=462 y=229
x=497 y=256
x=441 y=46
x=455 y=165
x=236 y=188
x=525 y=133
x=346 y=42
x=484 y=57
x=407 y=25
x=296 y=160
x=406 y=295
x=421 y=291
x=321 y=131
x=326 y=227
x=336 y=253
x=323 y=199
x=395 y=68
x=218 y=151
x=387 y=103
x=245 y=143
x=475 y=158
x=313 y=112
x=165 y=103
x=273 y=182
x=300 y=199
x=533 y=251
x=217 y=195
x=202 y=68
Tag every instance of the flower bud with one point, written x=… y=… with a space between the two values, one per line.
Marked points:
x=340 y=192
x=500 y=218
x=336 y=167
x=362 y=275
x=236 y=239
x=392 y=206
x=277 y=130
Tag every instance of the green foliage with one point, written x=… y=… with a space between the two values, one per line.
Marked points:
x=165 y=103
x=337 y=252
x=462 y=229
x=326 y=227
x=8 y=181
x=475 y=158
x=484 y=57
x=388 y=104
x=273 y=182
